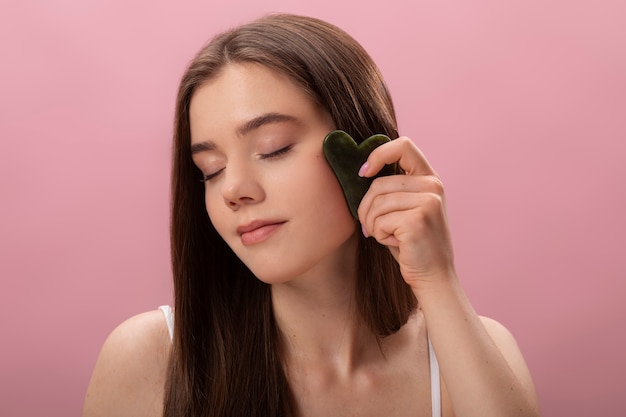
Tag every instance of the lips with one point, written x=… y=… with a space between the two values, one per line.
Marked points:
x=258 y=230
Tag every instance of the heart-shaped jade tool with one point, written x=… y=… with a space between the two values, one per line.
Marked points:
x=345 y=157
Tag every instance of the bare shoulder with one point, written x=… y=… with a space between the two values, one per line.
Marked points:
x=502 y=337
x=506 y=343
x=129 y=376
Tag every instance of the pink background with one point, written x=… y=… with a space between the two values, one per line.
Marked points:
x=520 y=106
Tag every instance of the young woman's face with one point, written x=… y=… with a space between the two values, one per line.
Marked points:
x=269 y=192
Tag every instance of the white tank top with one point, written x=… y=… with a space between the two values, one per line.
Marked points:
x=435 y=387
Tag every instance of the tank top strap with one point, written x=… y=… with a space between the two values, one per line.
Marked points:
x=169 y=319
x=435 y=385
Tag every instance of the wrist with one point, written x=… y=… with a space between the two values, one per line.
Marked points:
x=437 y=285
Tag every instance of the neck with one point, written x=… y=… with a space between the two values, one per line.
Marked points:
x=320 y=324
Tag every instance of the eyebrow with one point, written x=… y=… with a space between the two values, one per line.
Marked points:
x=248 y=127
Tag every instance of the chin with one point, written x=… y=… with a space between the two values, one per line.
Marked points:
x=280 y=273
x=272 y=277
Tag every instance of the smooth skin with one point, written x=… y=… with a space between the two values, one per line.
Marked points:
x=333 y=362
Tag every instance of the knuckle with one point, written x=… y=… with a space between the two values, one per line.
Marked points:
x=432 y=202
x=405 y=142
x=437 y=185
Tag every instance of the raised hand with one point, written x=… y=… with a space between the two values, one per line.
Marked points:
x=407 y=213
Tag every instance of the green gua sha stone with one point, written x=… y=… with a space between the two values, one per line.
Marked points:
x=345 y=158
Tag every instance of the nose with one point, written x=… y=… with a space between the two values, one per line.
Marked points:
x=241 y=187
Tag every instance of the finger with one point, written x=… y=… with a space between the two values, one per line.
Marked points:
x=383 y=205
x=399 y=184
x=414 y=206
x=403 y=151
x=406 y=210
x=406 y=183
x=384 y=229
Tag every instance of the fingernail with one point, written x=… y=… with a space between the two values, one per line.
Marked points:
x=364 y=168
x=364 y=231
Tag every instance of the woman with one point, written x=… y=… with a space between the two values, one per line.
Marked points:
x=284 y=304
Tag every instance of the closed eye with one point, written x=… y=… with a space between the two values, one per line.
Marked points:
x=209 y=177
x=277 y=153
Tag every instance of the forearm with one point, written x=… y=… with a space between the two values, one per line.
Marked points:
x=479 y=380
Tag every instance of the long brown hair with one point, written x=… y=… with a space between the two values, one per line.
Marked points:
x=226 y=359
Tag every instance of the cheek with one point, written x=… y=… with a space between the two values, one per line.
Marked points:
x=332 y=201
x=333 y=188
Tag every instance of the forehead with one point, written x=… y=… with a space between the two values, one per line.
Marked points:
x=242 y=92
